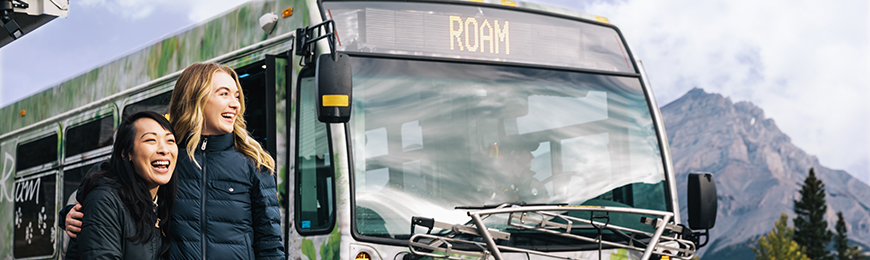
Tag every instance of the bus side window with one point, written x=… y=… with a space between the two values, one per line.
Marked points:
x=158 y=103
x=35 y=207
x=314 y=203
x=36 y=153
x=85 y=146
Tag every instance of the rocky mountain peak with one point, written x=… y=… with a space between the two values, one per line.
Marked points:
x=758 y=171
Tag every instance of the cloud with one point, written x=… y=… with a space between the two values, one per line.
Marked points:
x=197 y=10
x=128 y=9
x=804 y=63
x=91 y=2
x=201 y=10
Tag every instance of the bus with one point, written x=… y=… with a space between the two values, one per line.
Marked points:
x=401 y=130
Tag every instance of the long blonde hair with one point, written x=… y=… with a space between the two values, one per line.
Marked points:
x=191 y=93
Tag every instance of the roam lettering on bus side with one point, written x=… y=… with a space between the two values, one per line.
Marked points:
x=472 y=36
x=6 y=193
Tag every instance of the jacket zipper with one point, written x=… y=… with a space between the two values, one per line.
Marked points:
x=202 y=198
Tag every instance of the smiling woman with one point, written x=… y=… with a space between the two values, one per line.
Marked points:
x=222 y=105
x=225 y=174
x=154 y=153
x=128 y=202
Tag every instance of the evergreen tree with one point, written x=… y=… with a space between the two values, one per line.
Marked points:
x=841 y=242
x=810 y=228
x=779 y=243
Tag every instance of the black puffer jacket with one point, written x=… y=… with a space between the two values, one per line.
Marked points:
x=106 y=226
x=225 y=209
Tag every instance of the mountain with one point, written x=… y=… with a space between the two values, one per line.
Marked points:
x=758 y=172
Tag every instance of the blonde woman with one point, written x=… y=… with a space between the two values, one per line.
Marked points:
x=227 y=206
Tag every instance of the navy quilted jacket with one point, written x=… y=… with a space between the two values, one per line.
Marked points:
x=225 y=209
x=106 y=226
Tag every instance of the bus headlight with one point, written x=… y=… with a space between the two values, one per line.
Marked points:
x=363 y=256
x=363 y=252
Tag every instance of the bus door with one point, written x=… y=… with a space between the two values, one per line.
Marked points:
x=259 y=104
x=265 y=85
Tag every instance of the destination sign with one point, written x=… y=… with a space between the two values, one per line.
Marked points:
x=479 y=33
x=460 y=29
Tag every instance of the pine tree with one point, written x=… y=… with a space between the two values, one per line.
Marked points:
x=841 y=242
x=779 y=243
x=810 y=228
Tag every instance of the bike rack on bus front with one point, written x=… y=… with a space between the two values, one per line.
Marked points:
x=538 y=218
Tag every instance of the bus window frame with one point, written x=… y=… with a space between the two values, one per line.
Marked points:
x=84 y=118
x=46 y=131
x=38 y=171
x=86 y=157
x=289 y=126
x=62 y=193
x=309 y=72
x=141 y=96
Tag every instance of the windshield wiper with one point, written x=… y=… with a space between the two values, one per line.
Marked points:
x=509 y=204
x=431 y=223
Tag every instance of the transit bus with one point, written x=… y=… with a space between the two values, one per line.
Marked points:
x=401 y=130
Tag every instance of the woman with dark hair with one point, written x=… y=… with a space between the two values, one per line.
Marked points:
x=128 y=202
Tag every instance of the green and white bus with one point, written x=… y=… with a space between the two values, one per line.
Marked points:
x=402 y=130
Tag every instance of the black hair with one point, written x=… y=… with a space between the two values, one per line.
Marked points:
x=130 y=186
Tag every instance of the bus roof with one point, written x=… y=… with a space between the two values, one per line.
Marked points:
x=198 y=43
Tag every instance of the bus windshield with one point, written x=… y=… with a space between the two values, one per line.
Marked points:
x=430 y=136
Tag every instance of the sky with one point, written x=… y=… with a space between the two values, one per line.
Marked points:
x=805 y=63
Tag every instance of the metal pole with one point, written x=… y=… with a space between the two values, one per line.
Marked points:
x=481 y=230
x=655 y=239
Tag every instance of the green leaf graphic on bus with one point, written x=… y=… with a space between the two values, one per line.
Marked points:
x=308 y=249
x=331 y=249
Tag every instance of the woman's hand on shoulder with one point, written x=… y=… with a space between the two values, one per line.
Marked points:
x=74 y=221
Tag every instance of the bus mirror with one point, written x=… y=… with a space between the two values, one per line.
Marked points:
x=702 y=200
x=333 y=81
